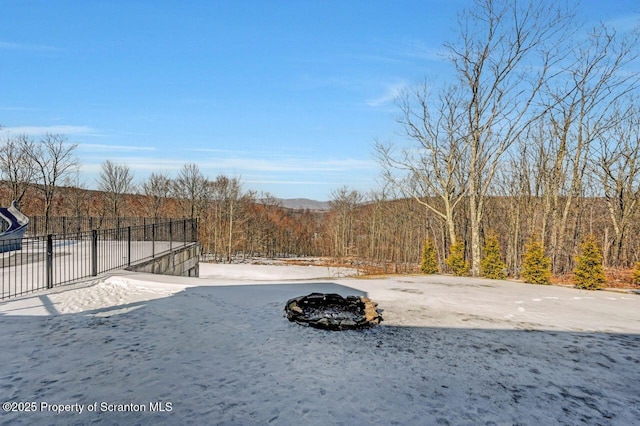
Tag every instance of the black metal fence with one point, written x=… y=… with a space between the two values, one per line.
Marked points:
x=64 y=225
x=44 y=262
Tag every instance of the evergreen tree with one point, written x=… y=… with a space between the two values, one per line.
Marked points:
x=536 y=267
x=492 y=265
x=589 y=273
x=459 y=266
x=429 y=263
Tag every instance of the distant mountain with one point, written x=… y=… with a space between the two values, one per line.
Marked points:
x=305 y=203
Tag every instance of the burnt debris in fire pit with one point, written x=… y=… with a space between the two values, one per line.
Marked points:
x=333 y=312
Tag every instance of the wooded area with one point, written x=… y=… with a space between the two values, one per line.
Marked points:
x=379 y=232
x=535 y=138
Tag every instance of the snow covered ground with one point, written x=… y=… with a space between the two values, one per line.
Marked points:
x=148 y=349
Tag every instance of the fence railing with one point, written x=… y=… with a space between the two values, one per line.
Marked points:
x=52 y=260
x=64 y=225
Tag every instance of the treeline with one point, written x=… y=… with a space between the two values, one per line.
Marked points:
x=43 y=177
x=390 y=231
x=380 y=231
x=383 y=230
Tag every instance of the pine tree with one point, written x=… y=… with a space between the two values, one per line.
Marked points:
x=536 y=267
x=492 y=265
x=456 y=262
x=429 y=263
x=589 y=273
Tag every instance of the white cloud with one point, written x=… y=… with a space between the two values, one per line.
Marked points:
x=95 y=147
x=235 y=165
x=350 y=163
x=284 y=182
x=136 y=164
x=41 y=130
x=221 y=151
x=285 y=165
x=8 y=45
x=390 y=94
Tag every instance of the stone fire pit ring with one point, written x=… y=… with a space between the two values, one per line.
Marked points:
x=331 y=311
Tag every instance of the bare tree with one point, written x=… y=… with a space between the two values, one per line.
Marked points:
x=580 y=111
x=502 y=59
x=115 y=180
x=54 y=159
x=517 y=181
x=432 y=167
x=228 y=208
x=16 y=165
x=376 y=224
x=191 y=189
x=617 y=166
x=76 y=195
x=264 y=232
x=343 y=204
x=157 y=187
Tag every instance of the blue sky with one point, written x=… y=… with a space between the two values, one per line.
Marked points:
x=289 y=96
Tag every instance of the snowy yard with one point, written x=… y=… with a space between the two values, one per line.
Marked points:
x=137 y=348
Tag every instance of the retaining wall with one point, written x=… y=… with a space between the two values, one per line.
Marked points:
x=181 y=262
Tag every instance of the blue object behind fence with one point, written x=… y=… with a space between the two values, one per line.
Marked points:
x=11 y=238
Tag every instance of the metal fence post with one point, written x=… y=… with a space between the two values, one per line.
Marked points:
x=94 y=252
x=170 y=235
x=153 y=240
x=128 y=246
x=49 y=261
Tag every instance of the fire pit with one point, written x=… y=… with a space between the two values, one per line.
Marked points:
x=333 y=312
